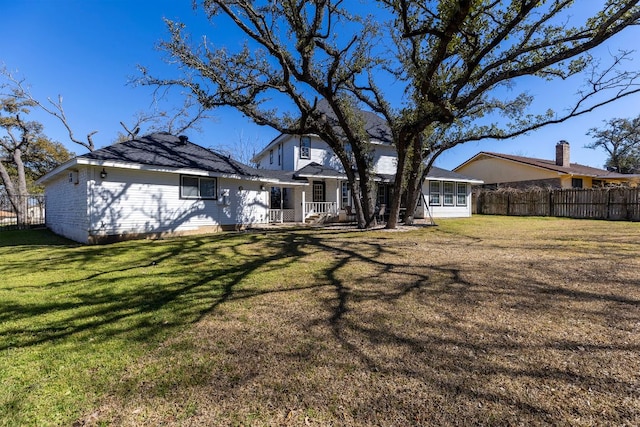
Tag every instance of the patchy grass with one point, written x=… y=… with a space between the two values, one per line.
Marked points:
x=489 y=320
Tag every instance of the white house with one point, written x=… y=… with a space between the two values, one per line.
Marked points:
x=308 y=157
x=154 y=185
x=161 y=184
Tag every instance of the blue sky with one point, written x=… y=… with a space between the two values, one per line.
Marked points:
x=88 y=50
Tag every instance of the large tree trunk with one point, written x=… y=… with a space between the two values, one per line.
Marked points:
x=17 y=191
x=398 y=184
x=365 y=205
x=414 y=182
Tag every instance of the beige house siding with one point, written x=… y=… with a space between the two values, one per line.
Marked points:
x=492 y=171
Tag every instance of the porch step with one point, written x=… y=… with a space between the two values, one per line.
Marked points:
x=315 y=219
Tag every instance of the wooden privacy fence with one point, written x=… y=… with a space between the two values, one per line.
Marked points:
x=605 y=203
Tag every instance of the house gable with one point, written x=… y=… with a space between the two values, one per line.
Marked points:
x=496 y=168
x=492 y=169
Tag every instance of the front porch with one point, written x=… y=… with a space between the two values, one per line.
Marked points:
x=314 y=211
x=291 y=205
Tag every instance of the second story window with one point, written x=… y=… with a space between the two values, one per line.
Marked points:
x=279 y=154
x=270 y=157
x=305 y=147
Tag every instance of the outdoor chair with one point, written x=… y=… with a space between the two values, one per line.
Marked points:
x=351 y=215
x=382 y=212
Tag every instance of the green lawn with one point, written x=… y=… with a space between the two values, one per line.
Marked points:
x=488 y=320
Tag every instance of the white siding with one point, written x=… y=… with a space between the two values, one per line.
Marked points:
x=442 y=211
x=134 y=201
x=384 y=156
x=288 y=152
x=130 y=202
x=385 y=159
x=287 y=144
x=66 y=205
x=320 y=153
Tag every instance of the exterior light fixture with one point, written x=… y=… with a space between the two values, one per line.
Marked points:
x=262 y=187
x=103 y=173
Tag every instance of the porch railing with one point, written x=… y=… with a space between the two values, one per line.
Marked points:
x=320 y=208
x=281 y=215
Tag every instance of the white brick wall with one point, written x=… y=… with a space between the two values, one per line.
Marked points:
x=134 y=201
x=66 y=206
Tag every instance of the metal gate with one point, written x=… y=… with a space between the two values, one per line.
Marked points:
x=21 y=211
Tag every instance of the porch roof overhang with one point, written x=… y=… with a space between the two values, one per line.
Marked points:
x=284 y=178
x=315 y=170
x=435 y=174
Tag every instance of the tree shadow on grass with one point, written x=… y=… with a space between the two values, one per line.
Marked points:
x=381 y=332
x=36 y=237
x=407 y=341
x=102 y=299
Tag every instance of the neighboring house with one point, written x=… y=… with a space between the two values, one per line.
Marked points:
x=8 y=217
x=504 y=170
x=161 y=184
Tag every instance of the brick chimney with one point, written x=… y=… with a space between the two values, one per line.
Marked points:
x=562 y=154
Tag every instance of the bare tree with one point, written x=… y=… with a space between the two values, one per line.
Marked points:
x=175 y=121
x=24 y=151
x=294 y=51
x=450 y=57
x=21 y=90
x=242 y=150
x=454 y=55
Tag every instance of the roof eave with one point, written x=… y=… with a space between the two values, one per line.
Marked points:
x=278 y=139
x=61 y=168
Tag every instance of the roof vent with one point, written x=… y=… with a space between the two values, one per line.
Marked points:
x=183 y=139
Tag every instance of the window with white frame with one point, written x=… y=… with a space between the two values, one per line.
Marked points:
x=349 y=150
x=434 y=193
x=195 y=187
x=279 y=154
x=344 y=194
x=270 y=157
x=461 y=200
x=448 y=192
x=305 y=147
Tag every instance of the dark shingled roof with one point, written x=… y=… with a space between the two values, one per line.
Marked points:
x=314 y=169
x=284 y=177
x=375 y=126
x=165 y=150
x=440 y=173
x=437 y=173
x=574 y=168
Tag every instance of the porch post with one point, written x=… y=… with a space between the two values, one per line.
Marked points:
x=304 y=214
x=281 y=204
x=338 y=196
